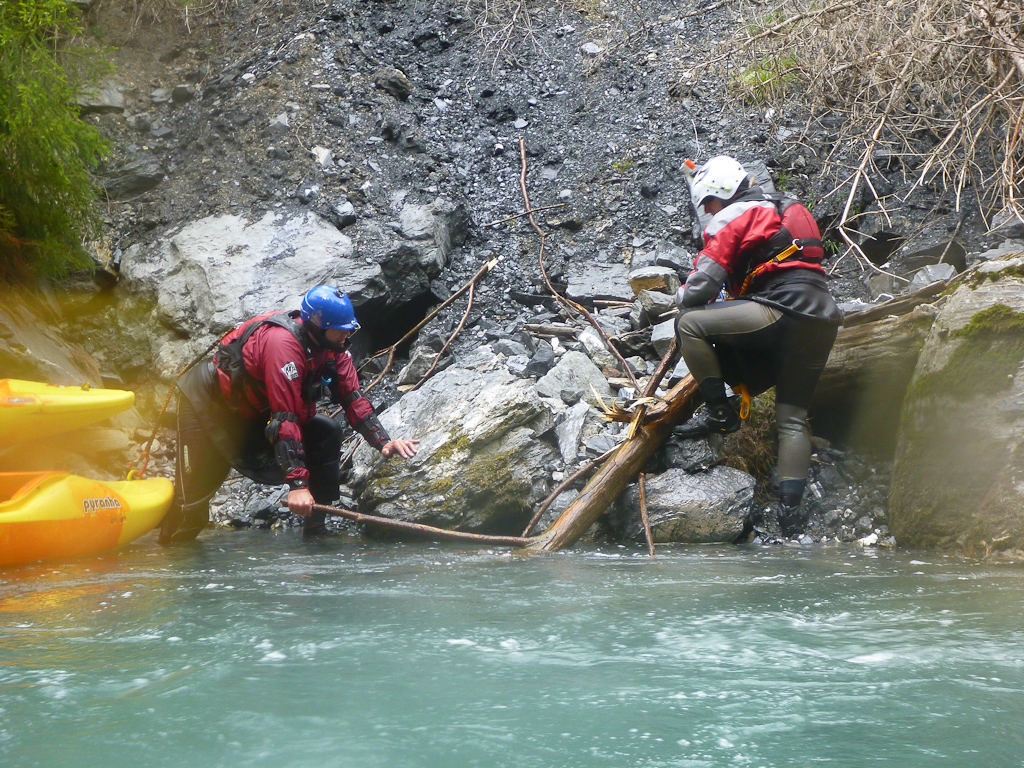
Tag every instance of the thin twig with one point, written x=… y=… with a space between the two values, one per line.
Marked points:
x=643 y=513
x=448 y=343
x=571 y=305
x=434 y=313
x=525 y=213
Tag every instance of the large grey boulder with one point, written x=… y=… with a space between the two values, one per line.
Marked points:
x=590 y=280
x=218 y=271
x=440 y=225
x=104 y=96
x=956 y=481
x=137 y=174
x=694 y=509
x=482 y=461
x=575 y=370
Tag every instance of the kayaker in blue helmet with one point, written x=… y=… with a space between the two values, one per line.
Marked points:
x=252 y=406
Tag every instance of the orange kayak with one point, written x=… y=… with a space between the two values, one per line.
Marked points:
x=47 y=515
x=30 y=410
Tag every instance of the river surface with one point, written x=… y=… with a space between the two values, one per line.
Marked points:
x=258 y=649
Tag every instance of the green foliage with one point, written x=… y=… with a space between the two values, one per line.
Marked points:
x=623 y=166
x=767 y=78
x=47 y=198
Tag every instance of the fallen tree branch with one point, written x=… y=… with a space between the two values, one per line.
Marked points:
x=423 y=530
x=621 y=468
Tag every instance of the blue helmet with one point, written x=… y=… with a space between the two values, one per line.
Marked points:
x=328 y=307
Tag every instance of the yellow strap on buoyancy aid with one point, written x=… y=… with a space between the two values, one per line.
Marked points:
x=761 y=267
x=744 y=400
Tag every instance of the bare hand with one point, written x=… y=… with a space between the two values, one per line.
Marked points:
x=404 y=448
x=300 y=502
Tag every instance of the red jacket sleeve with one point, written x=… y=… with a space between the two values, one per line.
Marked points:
x=347 y=384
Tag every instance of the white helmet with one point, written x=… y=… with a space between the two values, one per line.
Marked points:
x=719 y=177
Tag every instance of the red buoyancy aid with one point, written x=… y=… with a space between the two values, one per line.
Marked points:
x=797 y=243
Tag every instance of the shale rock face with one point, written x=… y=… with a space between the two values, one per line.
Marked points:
x=481 y=464
x=958 y=477
x=30 y=349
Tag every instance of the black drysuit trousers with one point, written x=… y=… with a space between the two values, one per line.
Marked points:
x=204 y=462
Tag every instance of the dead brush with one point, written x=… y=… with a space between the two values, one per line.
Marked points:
x=937 y=84
x=505 y=26
x=182 y=12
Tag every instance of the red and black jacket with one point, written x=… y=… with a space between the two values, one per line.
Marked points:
x=269 y=369
x=765 y=248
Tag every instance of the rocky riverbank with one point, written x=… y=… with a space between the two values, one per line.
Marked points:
x=384 y=146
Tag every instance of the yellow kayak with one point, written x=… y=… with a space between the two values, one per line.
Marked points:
x=45 y=515
x=30 y=410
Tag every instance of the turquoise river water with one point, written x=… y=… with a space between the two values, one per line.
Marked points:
x=259 y=649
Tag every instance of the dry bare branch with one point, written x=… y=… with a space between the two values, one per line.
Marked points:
x=938 y=83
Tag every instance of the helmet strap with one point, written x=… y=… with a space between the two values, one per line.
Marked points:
x=319 y=338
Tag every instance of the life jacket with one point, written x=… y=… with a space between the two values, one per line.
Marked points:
x=245 y=388
x=798 y=240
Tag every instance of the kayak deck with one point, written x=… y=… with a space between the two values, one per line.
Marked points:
x=46 y=515
x=30 y=410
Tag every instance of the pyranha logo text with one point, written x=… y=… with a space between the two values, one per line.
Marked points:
x=92 y=505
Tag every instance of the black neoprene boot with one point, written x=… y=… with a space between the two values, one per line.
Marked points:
x=324 y=483
x=792 y=519
x=718 y=416
x=315 y=524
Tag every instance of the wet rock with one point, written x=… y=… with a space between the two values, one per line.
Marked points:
x=575 y=370
x=219 y=271
x=569 y=429
x=279 y=126
x=593 y=280
x=653 y=305
x=542 y=361
x=181 y=94
x=481 y=459
x=662 y=335
x=660 y=279
x=394 y=82
x=596 y=349
x=693 y=456
x=105 y=96
x=31 y=348
x=442 y=225
x=955 y=482
x=138 y=174
x=695 y=509
x=931 y=274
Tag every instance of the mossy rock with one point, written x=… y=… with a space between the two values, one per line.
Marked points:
x=960 y=450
